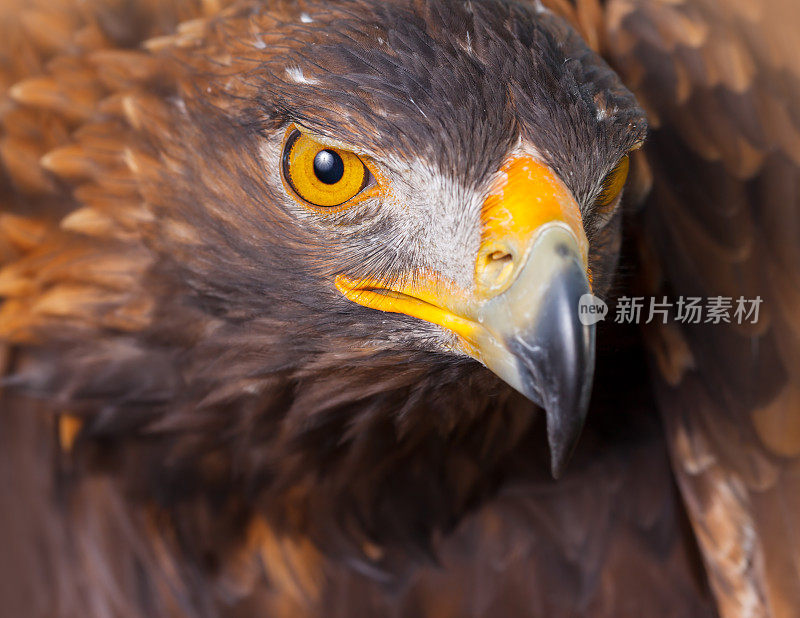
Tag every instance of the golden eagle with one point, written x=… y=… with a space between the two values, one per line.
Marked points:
x=291 y=294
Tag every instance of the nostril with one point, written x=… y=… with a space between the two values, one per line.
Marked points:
x=500 y=256
x=495 y=268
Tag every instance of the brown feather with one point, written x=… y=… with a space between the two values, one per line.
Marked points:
x=723 y=213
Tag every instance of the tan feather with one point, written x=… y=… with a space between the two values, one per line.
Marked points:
x=21 y=158
x=70 y=162
x=14 y=283
x=50 y=31
x=23 y=233
x=89 y=221
x=122 y=69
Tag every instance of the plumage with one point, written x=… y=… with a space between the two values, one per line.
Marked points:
x=196 y=422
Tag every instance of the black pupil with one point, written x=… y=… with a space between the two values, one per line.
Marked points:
x=328 y=167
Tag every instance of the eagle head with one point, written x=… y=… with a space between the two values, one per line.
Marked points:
x=332 y=216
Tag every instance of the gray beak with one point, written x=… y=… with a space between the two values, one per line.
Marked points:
x=538 y=345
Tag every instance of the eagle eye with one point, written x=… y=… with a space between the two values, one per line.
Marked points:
x=321 y=175
x=612 y=184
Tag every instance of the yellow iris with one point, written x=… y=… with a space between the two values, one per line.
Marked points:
x=322 y=175
x=613 y=183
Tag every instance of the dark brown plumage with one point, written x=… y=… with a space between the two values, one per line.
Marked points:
x=195 y=422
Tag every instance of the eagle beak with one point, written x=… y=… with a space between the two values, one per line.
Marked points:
x=532 y=338
x=521 y=319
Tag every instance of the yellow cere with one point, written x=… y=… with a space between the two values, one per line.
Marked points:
x=613 y=183
x=343 y=179
x=526 y=196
